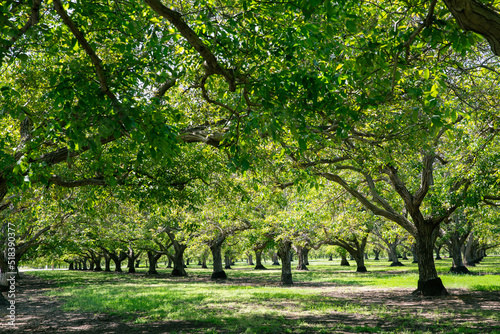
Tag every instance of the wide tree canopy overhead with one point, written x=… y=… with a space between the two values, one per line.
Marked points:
x=395 y=102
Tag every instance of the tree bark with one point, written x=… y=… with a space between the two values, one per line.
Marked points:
x=455 y=244
x=275 y=259
x=300 y=256
x=178 y=259
x=429 y=284
x=153 y=258
x=216 y=249
x=377 y=254
x=284 y=249
x=258 y=260
x=250 y=260
x=343 y=260
x=475 y=16
x=227 y=261
x=107 y=262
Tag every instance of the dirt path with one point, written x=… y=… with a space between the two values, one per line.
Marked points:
x=36 y=313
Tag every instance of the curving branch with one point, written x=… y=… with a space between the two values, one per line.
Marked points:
x=376 y=210
x=96 y=61
x=211 y=64
x=479 y=18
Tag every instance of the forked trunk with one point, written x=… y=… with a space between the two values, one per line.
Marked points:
x=286 y=265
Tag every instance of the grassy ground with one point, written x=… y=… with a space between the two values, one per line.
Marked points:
x=327 y=298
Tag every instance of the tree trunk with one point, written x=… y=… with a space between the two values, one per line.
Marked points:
x=178 y=259
x=118 y=259
x=275 y=259
x=107 y=262
x=250 y=260
x=218 y=272
x=343 y=260
x=98 y=263
x=429 y=284
x=470 y=260
x=169 y=265
x=300 y=255
x=286 y=265
x=377 y=254
x=84 y=261
x=91 y=265
x=227 y=261
x=414 y=253
x=360 y=261
x=455 y=245
x=437 y=249
x=330 y=257
x=258 y=260
x=153 y=259
x=393 y=255
x=137 y=263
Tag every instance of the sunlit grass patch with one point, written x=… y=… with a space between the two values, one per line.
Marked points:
x=326 y=298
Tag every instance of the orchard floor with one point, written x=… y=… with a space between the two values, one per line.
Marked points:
x=308 y=307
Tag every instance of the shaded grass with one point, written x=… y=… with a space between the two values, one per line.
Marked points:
x=253 y=302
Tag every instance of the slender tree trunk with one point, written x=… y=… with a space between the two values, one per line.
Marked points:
x=250 y=260
x=91 y=265
x=330 y=257
x=137 y=263
x=286 y=265
x=169 y=265
x=429 y=284
x=377 y=254
x=258 y=260
x=218 y=272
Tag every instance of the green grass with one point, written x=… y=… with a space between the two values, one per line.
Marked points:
x=326 y=299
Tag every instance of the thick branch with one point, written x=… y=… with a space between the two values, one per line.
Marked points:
x=474 y=16
x=393 y=216
x=211 y=63
x=96 y=61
